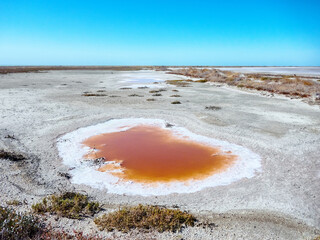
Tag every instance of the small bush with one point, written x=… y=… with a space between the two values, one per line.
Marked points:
x=154 y=91
x=12 y=156
x=134 y=95
x=69 y=204
x=202 y=81
x=179 y=83
x=162 y=90
x=17 y=225
x=145 y=217
x=214 y=108
x=157 y=94
x=176 y=102
x=150 y=99
x=94 y=95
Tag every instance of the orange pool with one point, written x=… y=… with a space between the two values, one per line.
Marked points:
x=152 y=154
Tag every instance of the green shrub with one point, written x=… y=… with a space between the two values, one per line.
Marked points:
x=147 y=218
x=176 y=102
x=69 y=204
x=15 y=225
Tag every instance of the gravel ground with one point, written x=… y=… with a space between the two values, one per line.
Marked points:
x=281 y=202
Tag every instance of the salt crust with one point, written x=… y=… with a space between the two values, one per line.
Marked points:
x=71 y=150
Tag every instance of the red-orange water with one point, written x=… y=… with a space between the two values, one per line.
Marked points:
x=152 y=154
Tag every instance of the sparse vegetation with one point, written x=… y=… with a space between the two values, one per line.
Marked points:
x=12 y=156
x=154 y=91
x=175 y=90
x=150 y=99
x=15 y=225
x=69 y=204
x=290 y=85
x=175 y=95
x=179 y=83
x=94 y=95
x=10 y=137
x=214 y=108
x=37 y=69
x=169 y=125
x=147 y=218
x=135 y=95
x=125 y=88
x=157 y=94
x=14 y=203
x=162 y=90
x=176 y=102
x=202 y=81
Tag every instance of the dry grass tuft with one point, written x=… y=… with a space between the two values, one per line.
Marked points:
x=176 y=102
x=135 y=95
x=162 y=90
x=147 y=218
x=12 y=156
x=94 y=95
x=69 y=204
x=214 y=108
x=202 y=81
x=179 y=83
x=154 y=91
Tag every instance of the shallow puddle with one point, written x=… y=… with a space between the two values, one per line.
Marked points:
x=149 y=154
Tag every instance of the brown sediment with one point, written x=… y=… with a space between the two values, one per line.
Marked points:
x=152 y=154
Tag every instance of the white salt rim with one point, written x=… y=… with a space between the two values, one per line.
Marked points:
x=72 y=152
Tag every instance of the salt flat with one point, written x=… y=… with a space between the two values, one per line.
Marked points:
x=281 y=201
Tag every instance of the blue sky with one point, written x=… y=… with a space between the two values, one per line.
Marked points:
x=69 y=32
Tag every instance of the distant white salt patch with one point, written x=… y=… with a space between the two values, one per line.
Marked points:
x=72 y=151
